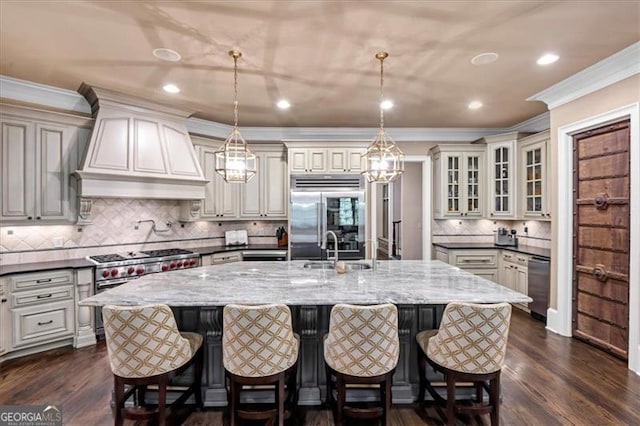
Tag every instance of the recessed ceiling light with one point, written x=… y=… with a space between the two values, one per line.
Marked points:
x=171 y=88
x=547 y=59
x=386 y=104
x=283 y=104
x=475 y=105
x=484 y=58
x=166 y=54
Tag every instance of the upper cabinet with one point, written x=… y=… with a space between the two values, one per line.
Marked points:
x=347 y=160
x=534 y=181
x=501 y=156
x=308 y=160
x=458 y=181
x=314 y=157
x=266 y=196
x=38 y=157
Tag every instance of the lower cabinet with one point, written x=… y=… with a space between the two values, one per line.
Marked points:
x=38 y=309
x=5 y=328
x=479 y=262
x=220 y=258
x=514 y=273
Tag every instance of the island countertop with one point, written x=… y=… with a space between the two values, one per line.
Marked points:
x=400 y=282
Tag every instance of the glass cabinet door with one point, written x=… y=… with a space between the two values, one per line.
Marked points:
x=501 y=180
x=473 y=184
x=453 y=186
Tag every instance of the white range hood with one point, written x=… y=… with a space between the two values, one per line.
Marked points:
x=138 y=149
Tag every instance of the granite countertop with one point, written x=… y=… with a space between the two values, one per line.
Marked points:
x=398 y=282
x=533 y=251
x=203 y=251
x=17 y=268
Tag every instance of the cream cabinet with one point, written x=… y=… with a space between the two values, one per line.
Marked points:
x=308 y=160
x=347 y=160
x=481 y=262
x=221 y=258
x=42 y=307
x=534 y=180
x=38 y=157
x=221 y=200
x=501 y=179
x=458 y=181
x=266 y=195
x=514 y=273
x=5 y=323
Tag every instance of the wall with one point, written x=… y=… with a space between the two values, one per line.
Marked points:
x=114 y=230
x=617 y=95
x=412 y=212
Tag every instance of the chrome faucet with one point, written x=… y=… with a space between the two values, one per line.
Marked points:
x=335 y=246
x=374 y=253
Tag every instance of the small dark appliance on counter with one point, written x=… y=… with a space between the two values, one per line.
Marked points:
x=283 y=237
x=504 y=238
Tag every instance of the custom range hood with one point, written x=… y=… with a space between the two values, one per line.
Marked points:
x=138 y=149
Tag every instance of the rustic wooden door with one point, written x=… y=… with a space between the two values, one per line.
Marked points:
x=601 y=237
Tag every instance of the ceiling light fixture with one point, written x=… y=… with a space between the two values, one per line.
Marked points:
x=475 y=105
x=165 y=54
x=384 y=161
x=547 y=59
x=234 y=161
x=283 y=104
x=386 y=104
x=171 y=88
x=484 y=58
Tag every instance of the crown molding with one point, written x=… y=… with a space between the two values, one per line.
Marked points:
x=40 y=94
x=338 y=134
x=613 y=69
x=534 y=124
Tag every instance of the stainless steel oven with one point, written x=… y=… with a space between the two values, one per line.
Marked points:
x=113 y=270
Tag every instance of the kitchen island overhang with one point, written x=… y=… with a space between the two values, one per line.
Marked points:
x=420 y=289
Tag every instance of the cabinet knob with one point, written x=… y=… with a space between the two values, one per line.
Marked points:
x=37 y=217
x=29 y=217
x=491 y=214
x=3 y=300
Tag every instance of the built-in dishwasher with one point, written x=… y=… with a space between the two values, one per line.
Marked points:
x=539 y=283
x=263 y=255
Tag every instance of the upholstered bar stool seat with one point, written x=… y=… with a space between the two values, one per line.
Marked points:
x=362 y=347
x=145 y=348
x=469 y=346
x=259 y=347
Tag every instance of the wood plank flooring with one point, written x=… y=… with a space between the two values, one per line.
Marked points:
x=547 y=380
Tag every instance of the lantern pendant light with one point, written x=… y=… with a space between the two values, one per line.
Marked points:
x=384 y=161
x=234 y=161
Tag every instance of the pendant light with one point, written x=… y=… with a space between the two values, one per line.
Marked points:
x=234 y=161
x=384 y=161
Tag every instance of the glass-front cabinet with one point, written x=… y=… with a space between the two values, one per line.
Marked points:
x=502 y=179
x=534 y=154
x=458 y=181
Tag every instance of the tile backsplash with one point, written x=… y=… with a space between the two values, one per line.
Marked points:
x=483 y=231
x=115 y=229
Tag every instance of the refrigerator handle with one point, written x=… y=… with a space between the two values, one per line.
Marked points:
x=319 y=233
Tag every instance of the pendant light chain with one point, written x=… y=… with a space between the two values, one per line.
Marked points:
x=381 y=94
x=235 y=88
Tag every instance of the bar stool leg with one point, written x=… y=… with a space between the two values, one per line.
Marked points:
x=422 y=370
x=280 y=399
x=451 y=400
x=494 y=400
x=162 y=401
x=118 y=387
x=341 y=390
x=387 y=401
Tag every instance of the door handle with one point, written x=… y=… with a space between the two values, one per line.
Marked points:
x=601 y=274
x=319 y=213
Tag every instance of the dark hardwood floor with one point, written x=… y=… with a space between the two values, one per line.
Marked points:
x=547 y=380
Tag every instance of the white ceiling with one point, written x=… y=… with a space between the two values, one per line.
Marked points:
x=318 y=54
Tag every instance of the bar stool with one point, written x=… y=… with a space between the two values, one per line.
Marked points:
x=259 y=347
x=145 y=347
x=362 y=347
x=469 y=346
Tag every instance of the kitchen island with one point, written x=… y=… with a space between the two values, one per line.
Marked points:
x=420 y=289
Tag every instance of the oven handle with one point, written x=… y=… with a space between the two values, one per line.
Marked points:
x=113 y=283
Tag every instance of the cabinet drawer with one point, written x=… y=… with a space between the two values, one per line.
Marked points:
x=512 y=257
x=41 y=279
x=42 y=323
x=219 y=258
x=474 y=258
x=42 y=295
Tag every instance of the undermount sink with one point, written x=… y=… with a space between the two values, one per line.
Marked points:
x=325 y=264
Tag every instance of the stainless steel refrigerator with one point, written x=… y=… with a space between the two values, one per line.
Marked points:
x=326 y=203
